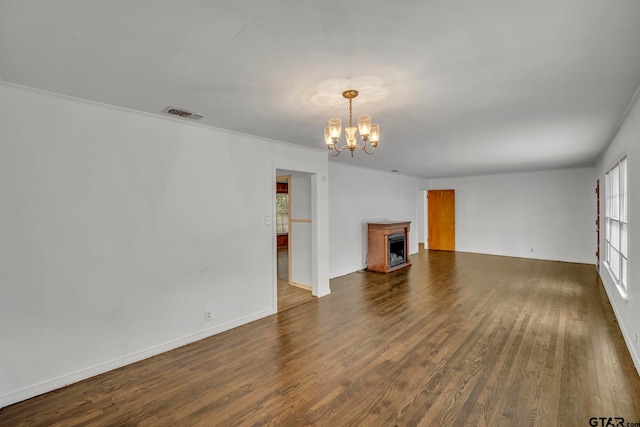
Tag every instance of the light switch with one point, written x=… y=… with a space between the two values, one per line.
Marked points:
x=267 y=220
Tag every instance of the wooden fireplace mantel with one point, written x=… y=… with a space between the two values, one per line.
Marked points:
x=378 y=234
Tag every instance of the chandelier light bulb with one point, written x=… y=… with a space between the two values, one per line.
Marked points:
x=374 y=137
x=327 y=137
x=364 y=125
x=335 y=128
x=352 y=136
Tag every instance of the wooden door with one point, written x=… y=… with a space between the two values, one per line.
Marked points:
x=442 y=215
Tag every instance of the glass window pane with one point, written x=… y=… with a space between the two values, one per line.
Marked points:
x=615 y=192
x=282 y=203
x=624 y=231
x=615 y=234
x=615 y=264
x=623 y=189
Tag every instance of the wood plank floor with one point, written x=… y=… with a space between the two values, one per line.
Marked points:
x=289 y=296
x=456 y=340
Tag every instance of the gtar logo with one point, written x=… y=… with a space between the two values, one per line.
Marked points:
x=606 y=422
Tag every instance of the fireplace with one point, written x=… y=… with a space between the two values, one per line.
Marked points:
x=395 y=250
x=388 y=244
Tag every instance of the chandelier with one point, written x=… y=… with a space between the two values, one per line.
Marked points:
x=370 y=133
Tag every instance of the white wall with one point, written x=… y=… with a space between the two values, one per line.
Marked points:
x=422 y=216
x=119 y=229
x=552 y=212
x=358 y=196
x=626 y=142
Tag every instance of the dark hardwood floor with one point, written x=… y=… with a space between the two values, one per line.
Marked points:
x=455 y=340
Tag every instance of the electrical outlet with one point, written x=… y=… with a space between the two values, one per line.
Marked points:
x=207 y=315
x=636 y=338
x=531 y=248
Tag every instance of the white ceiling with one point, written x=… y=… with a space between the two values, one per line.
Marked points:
x=459 y=87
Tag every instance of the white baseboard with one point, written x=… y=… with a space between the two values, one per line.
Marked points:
x=627 y=338
x=301 y=286
x=83 y=374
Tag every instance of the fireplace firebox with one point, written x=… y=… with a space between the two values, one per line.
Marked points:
x=395 y=249
x=388 y=245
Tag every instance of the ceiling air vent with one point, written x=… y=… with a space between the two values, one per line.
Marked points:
x=182 y=113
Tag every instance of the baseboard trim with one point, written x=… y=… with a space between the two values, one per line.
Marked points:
x=538 y=258
x=625 y=335
x=301 y=286
x=83 y=374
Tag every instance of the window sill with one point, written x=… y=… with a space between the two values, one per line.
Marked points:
x=622 y=291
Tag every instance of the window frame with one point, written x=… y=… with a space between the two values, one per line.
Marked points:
x=616 y=216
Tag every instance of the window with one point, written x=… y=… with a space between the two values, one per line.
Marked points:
x=282 y=213
x=617 y=227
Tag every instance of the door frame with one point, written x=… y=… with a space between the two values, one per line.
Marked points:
x=598 y=224
x=320 y=285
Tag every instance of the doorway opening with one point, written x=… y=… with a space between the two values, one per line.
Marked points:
x=292 y=245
